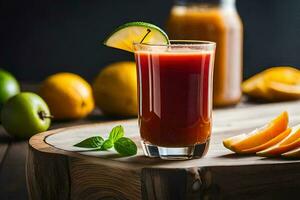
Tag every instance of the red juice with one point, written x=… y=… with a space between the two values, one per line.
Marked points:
x=175 y=97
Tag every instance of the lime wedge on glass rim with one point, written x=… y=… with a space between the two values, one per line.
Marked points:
x=141 y=32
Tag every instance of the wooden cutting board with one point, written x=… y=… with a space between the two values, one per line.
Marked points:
x=57 y=170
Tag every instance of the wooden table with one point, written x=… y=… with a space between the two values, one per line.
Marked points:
x=58 y=171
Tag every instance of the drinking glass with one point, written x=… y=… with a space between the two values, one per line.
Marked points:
x=175 y=85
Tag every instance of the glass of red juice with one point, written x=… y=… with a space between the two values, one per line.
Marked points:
x=175 y=84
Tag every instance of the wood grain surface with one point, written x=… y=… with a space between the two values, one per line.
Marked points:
x=220 y=175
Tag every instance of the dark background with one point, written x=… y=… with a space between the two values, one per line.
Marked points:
x=38 y=38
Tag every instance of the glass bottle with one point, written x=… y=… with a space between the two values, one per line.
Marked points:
x=217 y=21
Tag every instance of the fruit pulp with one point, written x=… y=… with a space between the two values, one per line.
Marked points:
x=175 y=97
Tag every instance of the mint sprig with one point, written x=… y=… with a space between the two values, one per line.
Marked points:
x=123 y=145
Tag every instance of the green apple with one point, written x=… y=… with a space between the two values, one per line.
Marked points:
x=9 y=86
x=25 y=114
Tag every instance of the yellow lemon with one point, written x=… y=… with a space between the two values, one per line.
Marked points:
x=68 y=96
x=115 y=89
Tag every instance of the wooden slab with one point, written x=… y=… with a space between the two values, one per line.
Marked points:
x=57 y=170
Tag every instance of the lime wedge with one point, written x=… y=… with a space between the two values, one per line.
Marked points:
x=124 y=36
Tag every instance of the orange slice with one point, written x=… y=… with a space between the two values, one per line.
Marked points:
x=229 y=141
x=282 y=91
x=268 y=144
x=274 y=84
x=262 y=135
x=251 y=86
x=292 y=141
x=283 y=74
x=295 y=153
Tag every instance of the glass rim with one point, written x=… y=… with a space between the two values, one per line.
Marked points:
x=179 y=43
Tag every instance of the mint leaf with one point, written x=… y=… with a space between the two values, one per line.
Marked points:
x=107 y=144
x=125 y=146
x=92 y=142
x=116 y=133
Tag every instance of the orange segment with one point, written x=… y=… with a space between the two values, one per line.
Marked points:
x=250 y=86
x=283 y=74
x=268 y=144
x=291 y=142
x=229 y=141
x=282 y=91
x=263 y=135
x=276 y=151
x=293 y=136
x=274 y=84
x=295 y=153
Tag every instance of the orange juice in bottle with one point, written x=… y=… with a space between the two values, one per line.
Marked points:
x=218 y=21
